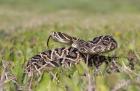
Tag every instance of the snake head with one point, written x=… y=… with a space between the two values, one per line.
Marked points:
x=104 y=44
x=109 y=42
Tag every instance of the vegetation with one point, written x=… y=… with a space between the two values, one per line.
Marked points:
x=26 y=24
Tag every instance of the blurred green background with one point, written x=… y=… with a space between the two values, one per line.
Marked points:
x=17 y=13
x=26 y=24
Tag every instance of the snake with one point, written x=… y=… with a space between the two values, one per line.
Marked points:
x=79 y=50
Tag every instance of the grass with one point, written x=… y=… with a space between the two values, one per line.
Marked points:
x=24 y=31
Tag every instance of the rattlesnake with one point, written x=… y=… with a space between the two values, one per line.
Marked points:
x=88 y=51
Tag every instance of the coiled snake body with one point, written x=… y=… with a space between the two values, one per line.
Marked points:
x=79 y=50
